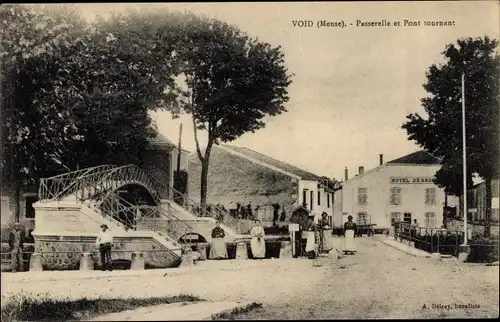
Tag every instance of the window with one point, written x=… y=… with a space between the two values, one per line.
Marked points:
x=362 y=218
x=304 y=197
x=29 y=210
x=407 y=217
x=430 y=220
x=430 y=196
x=362 y=196
x=395 y=216
x=312 y=200
x=328 y=200
x=395 y=196
x=319 y=198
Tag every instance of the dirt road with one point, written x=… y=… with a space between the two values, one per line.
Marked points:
x=381 y=282
x=377 y=282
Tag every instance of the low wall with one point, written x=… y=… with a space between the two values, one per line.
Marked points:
x=473 y=228
x=64 y=252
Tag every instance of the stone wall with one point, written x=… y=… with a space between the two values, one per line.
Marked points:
x=233 y=179
x=64 y=252
x=157 y=165
x=71 y=218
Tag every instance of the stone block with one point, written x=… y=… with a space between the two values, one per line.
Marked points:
x=196 y=256
x=137 y=261
x=286 y=249
x=317 y=262
x=436 y=256
x=36 y=262
x=334 y=255
x=187 y=259
x=241 y=251
x=463 y=252
x=202 y=249
x=87 y=262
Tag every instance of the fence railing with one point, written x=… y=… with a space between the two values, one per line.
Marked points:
x=445 y=241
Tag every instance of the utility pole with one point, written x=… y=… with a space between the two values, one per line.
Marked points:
x=464 y=156
x=179 y=150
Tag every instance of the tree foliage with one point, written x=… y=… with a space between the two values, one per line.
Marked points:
x=230 y=83
x=75 y=94
x=441 y=132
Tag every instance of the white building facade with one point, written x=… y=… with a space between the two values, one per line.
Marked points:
x=401 y=189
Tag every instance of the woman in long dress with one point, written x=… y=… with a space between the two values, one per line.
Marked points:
x=311 y=247
x=325 y=234
x=218 y=249
x=350 y=229
x=257 y=244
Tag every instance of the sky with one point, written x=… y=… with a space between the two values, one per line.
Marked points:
x=352 y=87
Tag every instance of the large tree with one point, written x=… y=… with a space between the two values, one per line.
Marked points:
x=31 y=40
x=441 y=131
x=231 y=83
x=73 y=95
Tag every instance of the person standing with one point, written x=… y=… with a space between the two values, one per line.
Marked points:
x=326 y=243
x=218 y=249
x=16 y=243
x=310 y=232
x=105 y=241
x=350 y=230
x=258 y=244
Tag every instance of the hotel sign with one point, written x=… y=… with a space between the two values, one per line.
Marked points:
x=412 y=180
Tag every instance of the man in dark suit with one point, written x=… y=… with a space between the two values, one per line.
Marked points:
x=16 y=242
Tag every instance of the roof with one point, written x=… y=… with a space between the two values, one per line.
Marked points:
x=303 y=174
x=419 y=157
x=162 y=142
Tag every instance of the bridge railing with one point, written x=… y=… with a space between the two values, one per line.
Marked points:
x=56 y=187
x=130 y=173
x=126 y=214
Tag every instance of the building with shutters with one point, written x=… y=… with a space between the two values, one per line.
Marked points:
x=401 y=189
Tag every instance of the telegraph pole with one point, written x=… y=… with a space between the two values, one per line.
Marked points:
x=464 y=156
x=179 y=150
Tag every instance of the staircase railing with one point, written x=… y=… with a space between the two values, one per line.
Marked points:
x=196 y=208
x=56 y=187
x=125 y=214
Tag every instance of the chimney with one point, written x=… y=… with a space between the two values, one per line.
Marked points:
x=361 y=169
x=346 y=174
x=381 y=159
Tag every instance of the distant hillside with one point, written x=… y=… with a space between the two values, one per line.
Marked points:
x=234 y=179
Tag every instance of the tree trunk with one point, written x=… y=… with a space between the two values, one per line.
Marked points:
x=204 y=182
x=487 y=226
x=17 y=201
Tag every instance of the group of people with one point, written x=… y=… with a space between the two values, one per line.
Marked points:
x=242 y=212
x=315 y=238
x=218 y=249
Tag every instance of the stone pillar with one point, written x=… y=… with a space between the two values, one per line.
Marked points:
x=87 y=262
x=317 y=262
x=202 y=249
x=137 y=261
x=187 y=257
x=334 y=256
x=463 y=252
x=286 y=250
x=241 y=251
x=436 y=256
x=36 y=262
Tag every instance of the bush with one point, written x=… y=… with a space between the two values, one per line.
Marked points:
x=26 y=307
